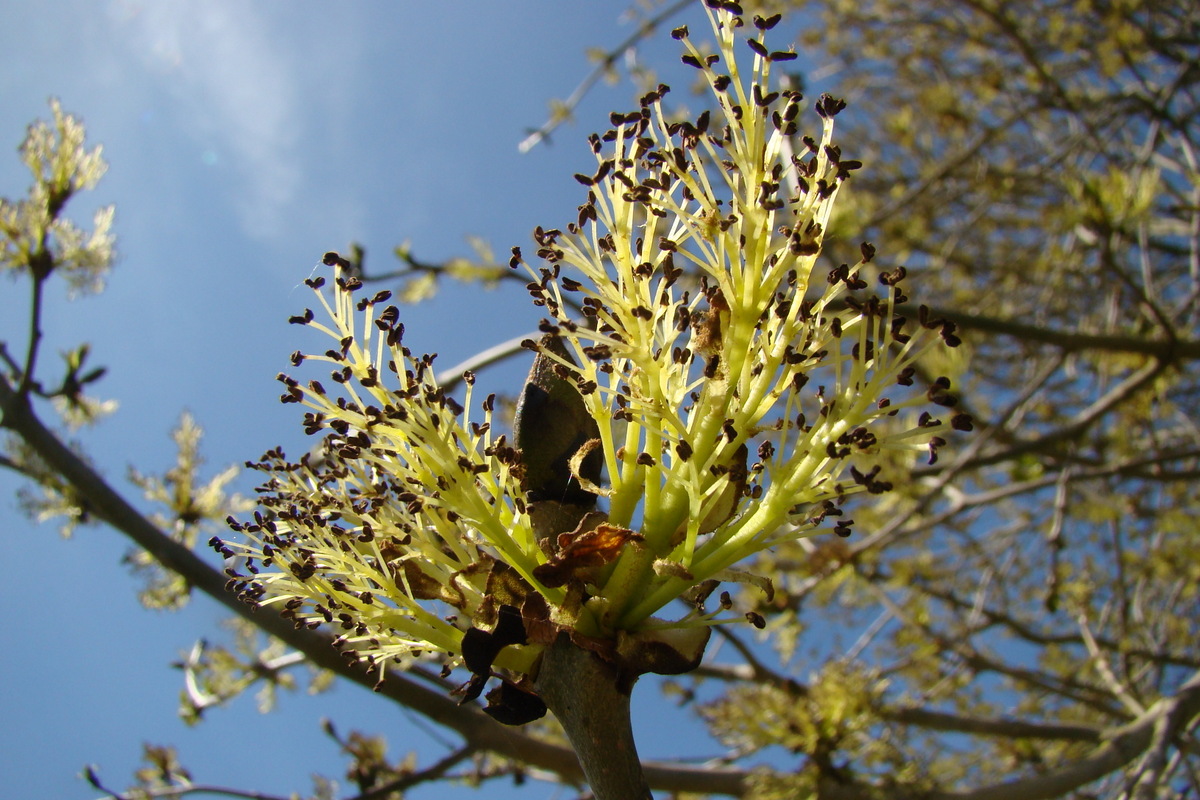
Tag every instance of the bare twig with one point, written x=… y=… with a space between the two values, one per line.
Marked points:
x=606 y=63
x=450 y=377
x=1167 y=718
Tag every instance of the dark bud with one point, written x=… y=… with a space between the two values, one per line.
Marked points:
x=551 y=425
x=479 y=650
x=480 y=647
x=510 y=629
x=510 y=705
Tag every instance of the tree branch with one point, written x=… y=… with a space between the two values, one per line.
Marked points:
x=922 y=717
x=477 y=729
x=606 y=63
x=1047 y=443
x=985 y=726
x=591 y=700
x=1167 y=718
x=1164 y=350
x=450 y=378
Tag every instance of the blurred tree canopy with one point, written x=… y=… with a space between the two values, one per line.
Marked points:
x=1022 y=615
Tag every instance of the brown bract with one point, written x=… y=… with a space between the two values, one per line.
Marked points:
x=582 y=550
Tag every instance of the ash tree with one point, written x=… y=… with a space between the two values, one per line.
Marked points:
x=743 y=426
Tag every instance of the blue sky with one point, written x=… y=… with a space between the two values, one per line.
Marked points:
x=245 y=139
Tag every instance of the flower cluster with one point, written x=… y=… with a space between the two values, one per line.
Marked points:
x=717 y=396
x=34 y=236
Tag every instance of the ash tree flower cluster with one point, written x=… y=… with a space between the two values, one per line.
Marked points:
x=717 y=395
x=34 y=235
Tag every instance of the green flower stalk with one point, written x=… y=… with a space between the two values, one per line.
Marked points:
x=719 y=396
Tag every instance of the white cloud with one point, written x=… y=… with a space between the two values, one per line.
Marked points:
x=237 y=94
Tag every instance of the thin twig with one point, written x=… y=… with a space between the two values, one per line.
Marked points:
x=605 y=64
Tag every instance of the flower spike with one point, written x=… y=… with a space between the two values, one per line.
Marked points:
x=720 y=395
